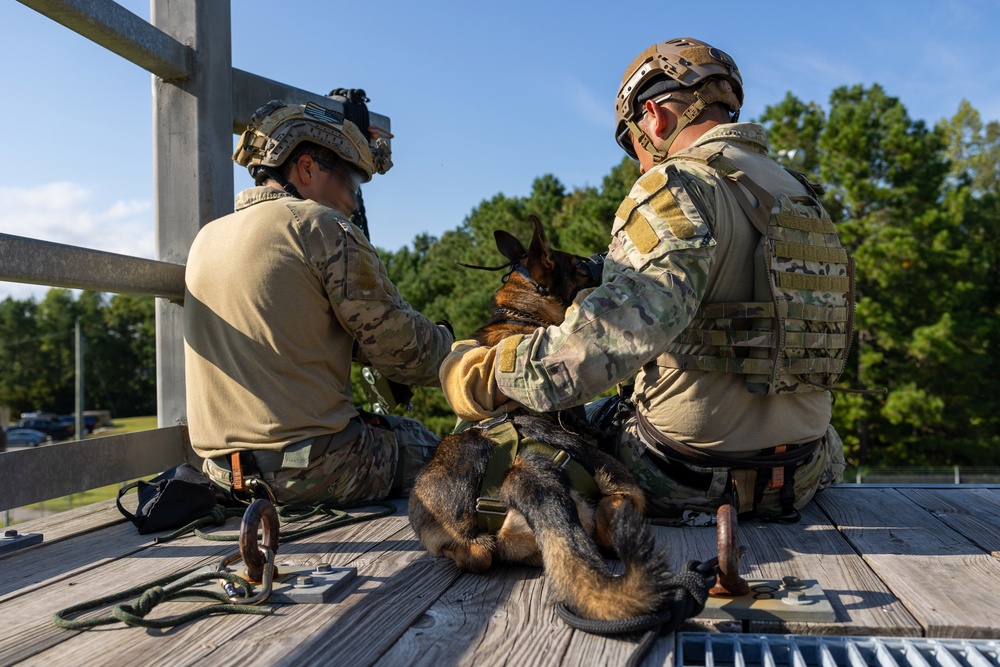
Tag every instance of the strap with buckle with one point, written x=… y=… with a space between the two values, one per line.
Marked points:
x=490 y=515
x=792 y=455
x=236 y=465
x=490 y=511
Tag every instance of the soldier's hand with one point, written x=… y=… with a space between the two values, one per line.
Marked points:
x=469 y=384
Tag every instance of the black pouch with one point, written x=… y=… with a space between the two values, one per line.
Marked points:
x=172 y=499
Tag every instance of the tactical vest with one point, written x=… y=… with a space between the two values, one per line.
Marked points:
x=794 y=337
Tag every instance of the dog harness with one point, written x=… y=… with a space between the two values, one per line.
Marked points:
x=507 y=443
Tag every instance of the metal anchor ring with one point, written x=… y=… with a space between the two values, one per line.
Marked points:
x=728 y=582
x=260 y=513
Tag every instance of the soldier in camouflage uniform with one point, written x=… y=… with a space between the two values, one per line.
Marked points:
x=677 y=305
x=280 y=295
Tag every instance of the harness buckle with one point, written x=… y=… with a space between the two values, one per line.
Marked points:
x=490 y=506
x=490 y=515
x=561 y=458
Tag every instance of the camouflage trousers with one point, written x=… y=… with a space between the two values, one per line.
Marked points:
x=382 y=461
x=696 y=492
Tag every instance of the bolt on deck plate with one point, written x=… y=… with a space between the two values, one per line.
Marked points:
x=309 y=584
x=296 y=584
x=769 y=600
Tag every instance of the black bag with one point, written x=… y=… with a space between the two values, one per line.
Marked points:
x=172 y=499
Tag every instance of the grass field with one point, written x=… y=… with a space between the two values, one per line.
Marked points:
x=125 y=425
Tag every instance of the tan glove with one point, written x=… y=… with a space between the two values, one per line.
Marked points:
x=469 y=384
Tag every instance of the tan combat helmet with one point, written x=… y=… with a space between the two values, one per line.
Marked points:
x=277 y=128
x=674 y=65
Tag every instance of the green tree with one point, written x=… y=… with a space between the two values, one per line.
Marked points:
x=914 y=207
x=124 y=356
x=38 y=353
x=18 y=338
x=795 y=125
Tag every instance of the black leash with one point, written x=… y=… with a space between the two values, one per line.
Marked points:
x=689 y=592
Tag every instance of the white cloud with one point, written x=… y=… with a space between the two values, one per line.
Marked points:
x=588 y=107
x=72 y=214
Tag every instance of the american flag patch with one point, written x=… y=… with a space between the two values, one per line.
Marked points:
x=318 y=112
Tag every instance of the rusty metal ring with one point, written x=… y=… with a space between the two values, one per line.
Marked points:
x=260 y=513
x=729 y=583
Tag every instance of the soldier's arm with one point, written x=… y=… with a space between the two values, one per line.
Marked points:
x=660 y=257
x=623 y=325
x=398 y=341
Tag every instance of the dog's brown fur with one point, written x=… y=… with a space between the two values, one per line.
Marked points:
x=548 y=523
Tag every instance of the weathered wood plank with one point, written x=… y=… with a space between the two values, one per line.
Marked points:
x=507 y=617
x=503 y=617
x=975 y=513
x=406 y=608
x=25 y=625
x=26 y=571
x=211 y=641
x=813 y=549
x=26 y=629
x=395 y=585
x=481 y=617
x=76 y=521
x=946 y=581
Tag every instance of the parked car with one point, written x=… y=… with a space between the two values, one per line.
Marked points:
x=51 y=426
x=3 y=438
x=27 y=436
x=89 y=422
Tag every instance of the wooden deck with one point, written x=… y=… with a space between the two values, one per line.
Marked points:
x=916 y=562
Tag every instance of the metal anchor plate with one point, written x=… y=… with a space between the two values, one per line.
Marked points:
x=11 y=540
x=309 y=584
x=770 y=600
x=296 y=584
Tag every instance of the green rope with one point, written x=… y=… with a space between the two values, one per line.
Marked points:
x=177 y=585
x=217 y=517
x=153 y=593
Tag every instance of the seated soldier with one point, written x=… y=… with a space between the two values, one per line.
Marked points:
x=279 y=297
x=732 y=349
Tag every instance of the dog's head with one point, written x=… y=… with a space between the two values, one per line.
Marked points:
x=554 y=272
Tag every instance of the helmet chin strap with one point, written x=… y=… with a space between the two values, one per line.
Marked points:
x=278 y=178
x=660 y=153
x=710 y=93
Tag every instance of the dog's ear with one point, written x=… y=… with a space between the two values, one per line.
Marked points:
x=539 y=254
x=509 y=246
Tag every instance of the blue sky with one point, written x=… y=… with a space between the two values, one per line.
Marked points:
x=483 y=97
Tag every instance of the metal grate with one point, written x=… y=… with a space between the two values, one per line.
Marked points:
x=743 y=650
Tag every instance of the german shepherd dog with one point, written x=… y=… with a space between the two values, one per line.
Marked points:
x=548 y=523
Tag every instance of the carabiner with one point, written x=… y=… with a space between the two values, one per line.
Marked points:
x=260 y=513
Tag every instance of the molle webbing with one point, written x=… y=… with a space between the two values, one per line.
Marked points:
x=795 y=336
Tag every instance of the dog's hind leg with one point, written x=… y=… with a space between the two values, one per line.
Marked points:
x=579 y=575
x=617 y=488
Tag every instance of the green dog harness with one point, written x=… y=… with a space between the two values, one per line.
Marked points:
x=507 y=443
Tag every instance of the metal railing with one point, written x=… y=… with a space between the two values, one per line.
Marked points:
x=199 y=101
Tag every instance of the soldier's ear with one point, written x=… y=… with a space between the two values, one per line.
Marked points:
x=659 y=118
x=305 y=168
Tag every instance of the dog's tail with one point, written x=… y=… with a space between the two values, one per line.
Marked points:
x=573 y=564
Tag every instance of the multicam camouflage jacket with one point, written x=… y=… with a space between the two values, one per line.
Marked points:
x=680 y=240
